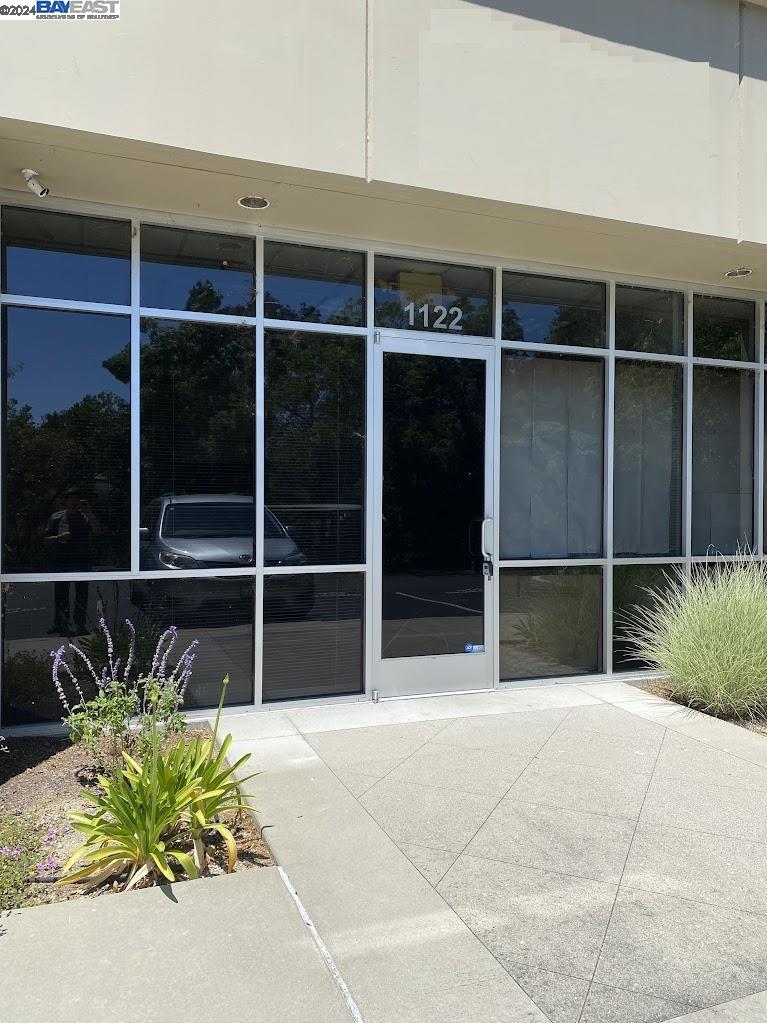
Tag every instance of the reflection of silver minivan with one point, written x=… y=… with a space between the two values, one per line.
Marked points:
x=211 y=531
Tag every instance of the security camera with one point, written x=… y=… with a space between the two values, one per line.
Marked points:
x=33 y=184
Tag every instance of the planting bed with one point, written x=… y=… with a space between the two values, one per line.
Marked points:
x=41 y=780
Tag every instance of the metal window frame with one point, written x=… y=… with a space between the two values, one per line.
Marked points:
x=610 y=354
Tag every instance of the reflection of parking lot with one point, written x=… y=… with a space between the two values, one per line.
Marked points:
x=432 y=614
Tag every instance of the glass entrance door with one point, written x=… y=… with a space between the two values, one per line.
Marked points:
x=434 y=501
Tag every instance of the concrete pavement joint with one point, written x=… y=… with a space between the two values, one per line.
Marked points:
x=323 y=949
x=620 y=881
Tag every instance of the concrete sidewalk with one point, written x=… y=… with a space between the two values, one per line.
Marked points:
x=571 y=854
x=231 y=948
x=578 y=854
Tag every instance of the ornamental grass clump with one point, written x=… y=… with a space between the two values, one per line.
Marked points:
x=708 y=635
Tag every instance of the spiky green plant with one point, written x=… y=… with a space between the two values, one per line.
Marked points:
x=138 y=823
x=217 y=791
x=708 y=635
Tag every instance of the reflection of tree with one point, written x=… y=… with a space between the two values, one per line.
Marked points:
x=197 y=408
x=350 y=312
x=722 y=339
x=572 y=325
x=434 y=431
x=315 y=426
x=643 y=331
x=511 y=327
x=86 y=445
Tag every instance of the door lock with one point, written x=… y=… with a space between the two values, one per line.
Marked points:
x=487 y=569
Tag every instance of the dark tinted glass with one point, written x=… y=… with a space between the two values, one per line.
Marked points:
x=217 y=612
x=303 y=282
x=647 y=320
x=315 y=449
x=313 y=635
x=413 y=294
x=197 y=445
x=631 y=584
x=67 y=441
x=552 y=430
x=648 y=458
x=59 y=255
x=724 y=328
x=722 y=459
x=550 y=622
x=553 y=310
x=433 y=504
x=197 y=271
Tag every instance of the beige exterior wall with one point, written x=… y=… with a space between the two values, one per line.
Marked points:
x=647 y=114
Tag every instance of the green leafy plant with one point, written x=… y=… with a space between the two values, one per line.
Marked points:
x=137 y=824
x=151 y=813
x=102 y=725
x=217 y=793
x=708 y=635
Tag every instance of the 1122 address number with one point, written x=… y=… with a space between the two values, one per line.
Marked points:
x=436 y=317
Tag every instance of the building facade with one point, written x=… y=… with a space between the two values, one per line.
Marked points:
x=386 y=348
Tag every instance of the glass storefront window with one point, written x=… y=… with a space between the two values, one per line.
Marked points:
x=313 y=635
x=67 y=442
x=197 y=271
x=649 y=320
x=550 y=622
x=197 y=445
x=416 y=294
x=633 y=589
x=552 y=441
x=315 y=449
x=647 y=484
x=305 y=282
x=553 y=310
x=60 y=255
x=216 y=611
x=722 y=460
x=723 y=328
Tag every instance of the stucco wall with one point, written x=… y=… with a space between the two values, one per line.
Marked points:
x=650 y=113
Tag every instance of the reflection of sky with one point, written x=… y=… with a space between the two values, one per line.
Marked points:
x=56 y=358
x=536 y=320
x=328 y=297
x=48 y=274
x=164 y=286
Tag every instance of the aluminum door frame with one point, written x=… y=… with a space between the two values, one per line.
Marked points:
x=432 y=674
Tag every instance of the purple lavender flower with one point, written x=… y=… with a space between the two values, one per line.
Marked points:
x=132 y=649
x=110 y=647
x=76 y=649
x=58 y=661
x=5 y=852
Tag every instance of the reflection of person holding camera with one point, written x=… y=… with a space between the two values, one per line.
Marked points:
x=68 y=536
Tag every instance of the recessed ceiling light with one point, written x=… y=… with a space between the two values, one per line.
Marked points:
x=741 y=271
x=253 y=202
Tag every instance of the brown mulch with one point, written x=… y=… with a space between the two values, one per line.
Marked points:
x=45 y=777
x=659 y=687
